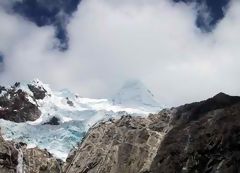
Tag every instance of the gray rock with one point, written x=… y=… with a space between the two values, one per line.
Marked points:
x=202 y=137
x=38 y=92
x=126 y=145
x=16 y=105
x=16 y=158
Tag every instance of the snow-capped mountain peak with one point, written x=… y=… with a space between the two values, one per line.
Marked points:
x=135 y=94
x=64 y=116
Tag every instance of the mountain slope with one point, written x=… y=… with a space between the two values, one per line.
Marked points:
x=196 y=137
x=201 y=137
x=204 y=138
x=16 y=158
x=62 y=119
x=135 y=94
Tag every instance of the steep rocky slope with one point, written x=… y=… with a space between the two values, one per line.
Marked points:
x=16 y=158
x=202 y=137
x=17 y=105
x=126 y=145
x=205 y=138
x=58 y=120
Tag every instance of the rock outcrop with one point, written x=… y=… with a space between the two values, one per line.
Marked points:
x=16 y=158
x=127 y=145
x=53 y=121
x=202 y=137
x=40 y=161
x=17 y=105
x=8 y=156
x=38 y=91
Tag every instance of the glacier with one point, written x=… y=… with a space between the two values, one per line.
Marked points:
x=75 y=115
x=135 y=94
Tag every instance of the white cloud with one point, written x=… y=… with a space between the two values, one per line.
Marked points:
x=112 y=41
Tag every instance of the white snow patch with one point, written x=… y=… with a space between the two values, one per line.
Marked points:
x=20 y=166
x=3 y=93
x=75 y=120
x=134 y=94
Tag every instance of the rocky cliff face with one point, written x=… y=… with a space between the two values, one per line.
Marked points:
x=126 y=145
x=17 y=105
x=8 y=157
x=16 y=158
x=202 y=137
x=205 y=138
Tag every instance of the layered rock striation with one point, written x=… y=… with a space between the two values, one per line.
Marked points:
x=126 y=145
x=202 y=137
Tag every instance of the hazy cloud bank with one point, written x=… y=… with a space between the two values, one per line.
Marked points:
x=110 y=42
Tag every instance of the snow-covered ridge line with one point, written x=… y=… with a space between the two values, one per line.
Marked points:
x=66 y=117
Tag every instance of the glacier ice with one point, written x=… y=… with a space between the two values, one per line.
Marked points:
x=135 y=94
x=75 y=118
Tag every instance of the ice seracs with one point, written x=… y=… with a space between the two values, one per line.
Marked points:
x=74 y=114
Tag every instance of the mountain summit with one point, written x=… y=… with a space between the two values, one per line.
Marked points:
x=46 y=114
x=159 y=143
x=101 y=135
x=135 y=94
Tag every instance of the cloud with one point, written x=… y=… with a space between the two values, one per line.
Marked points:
x=112 y=41
x=45 y=13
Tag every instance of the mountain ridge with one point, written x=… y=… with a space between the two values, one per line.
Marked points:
x=135 y=94
x=160 y=143
x=62 y=115
x=196 y=137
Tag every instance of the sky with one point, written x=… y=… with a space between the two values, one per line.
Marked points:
x=183 y=51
